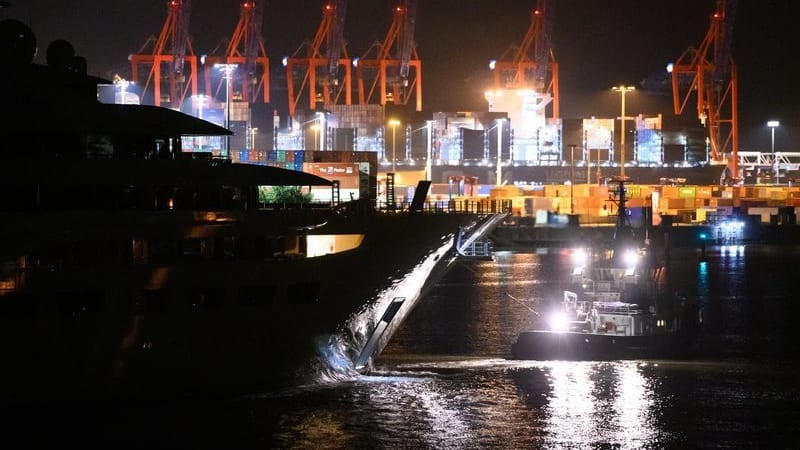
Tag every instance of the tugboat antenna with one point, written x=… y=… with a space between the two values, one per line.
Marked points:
x=623 y=225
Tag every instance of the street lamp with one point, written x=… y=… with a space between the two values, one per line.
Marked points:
x=428 y=170
x=253 y=138
x=571 y=178
x=394 y=123
x=315 y=127
x=499 y=174
x=772 y=124
x=200 y=100
x=622 y=89
x=321 y=120
x=123 y=84
x=227 y=70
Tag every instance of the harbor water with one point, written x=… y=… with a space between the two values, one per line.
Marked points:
x=445 y=381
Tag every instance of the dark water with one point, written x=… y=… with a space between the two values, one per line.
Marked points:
x=444 y=382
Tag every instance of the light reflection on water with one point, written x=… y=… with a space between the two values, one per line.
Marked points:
x=492 y=403
x=505 y=404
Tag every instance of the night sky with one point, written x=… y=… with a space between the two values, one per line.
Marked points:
x=597 y=44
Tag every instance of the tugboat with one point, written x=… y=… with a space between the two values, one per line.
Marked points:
x=610 y=310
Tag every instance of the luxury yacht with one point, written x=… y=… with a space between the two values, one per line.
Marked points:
x=129 y=266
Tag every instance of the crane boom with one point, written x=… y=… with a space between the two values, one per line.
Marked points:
x=533 y=65
x=181 y=38
x=407 y=36
x=544 y=42
x=317 y=70
x=168 y=58
x=709 y=70
x=254 y=42
x=722 y=47
x=393 y=74
x=246 y=50
x=335 y=39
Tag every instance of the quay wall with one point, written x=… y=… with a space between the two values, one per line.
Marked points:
x=677 y=215
x=518 y=238
x=596 y=204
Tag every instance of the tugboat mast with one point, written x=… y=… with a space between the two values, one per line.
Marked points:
x=622 y=228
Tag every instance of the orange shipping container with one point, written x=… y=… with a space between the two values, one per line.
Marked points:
x=598 y=191
x=703 y=192
x=669 y=191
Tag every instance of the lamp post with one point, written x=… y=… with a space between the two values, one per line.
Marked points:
x=428 y=169
x=315 y=127
x=772 y=124
x=622 y=89
x=322 y=139
x=499 y=174
x=599 y=174
x=394 y=123
x=227 y=70
x=200 y=101
x=571 y=178
x=253 y=138
x=123 y=89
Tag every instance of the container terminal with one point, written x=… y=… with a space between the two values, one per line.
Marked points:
x=359 y=119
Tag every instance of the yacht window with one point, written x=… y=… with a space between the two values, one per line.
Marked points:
x=256 y=295
x=303 y=293
x=202 y=298
x=48 y=256
x=161 y=251
x=93 y=253
x=225 y=248
x=194 y=249
x=19 y=305
x=79 y=303
x=19 y=198
x=150 y=301
x=252 y=248
x=138 y=251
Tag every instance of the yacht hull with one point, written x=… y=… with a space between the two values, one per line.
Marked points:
x=549 y=345
x=221 y=323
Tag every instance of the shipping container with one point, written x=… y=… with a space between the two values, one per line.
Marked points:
x=687 y=191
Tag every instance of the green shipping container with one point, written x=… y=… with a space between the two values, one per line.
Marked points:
x=686 y=192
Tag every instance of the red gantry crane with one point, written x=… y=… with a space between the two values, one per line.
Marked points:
x=391 y=71
x=537 y=69
x=306 y=74
x=710 y=71
x=168 y=58
x=246 y=49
